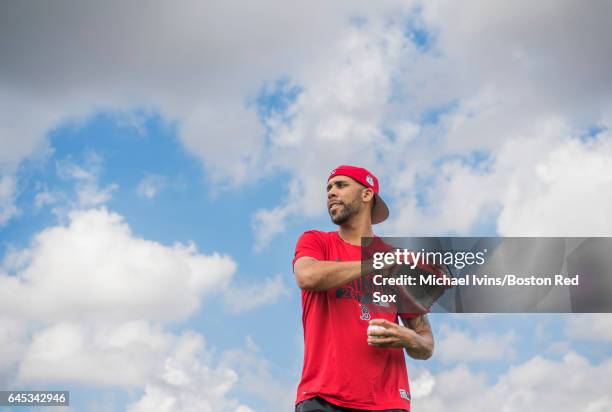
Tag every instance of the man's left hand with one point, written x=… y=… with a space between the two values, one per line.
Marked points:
x=393 y=336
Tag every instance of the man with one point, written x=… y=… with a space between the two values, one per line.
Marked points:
x=346 y=366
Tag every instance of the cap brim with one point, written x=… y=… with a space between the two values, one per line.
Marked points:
x=380 y=213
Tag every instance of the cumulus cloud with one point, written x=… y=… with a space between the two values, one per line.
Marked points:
x=93 y=354
x=256 y=378
x=177 y=372
x=528 y=56
x=529 y=186
x=243 y=297
x=87 y=303
x=268 y=223
x=461 y=346
x=538 y=384
x=96 y=267
x=186 y=382
x=13 y=341
x=422 y=385
x=571 y=179
x=590 y=326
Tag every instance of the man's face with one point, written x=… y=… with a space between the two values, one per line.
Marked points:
x=343 y=198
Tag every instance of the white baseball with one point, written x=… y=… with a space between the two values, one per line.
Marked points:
x=373 y=330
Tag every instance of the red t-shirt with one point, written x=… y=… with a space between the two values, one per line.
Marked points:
x=339 y=365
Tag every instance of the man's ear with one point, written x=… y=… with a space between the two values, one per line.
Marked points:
x=367 y=194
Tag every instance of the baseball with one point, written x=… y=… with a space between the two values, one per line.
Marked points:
x=375 y=330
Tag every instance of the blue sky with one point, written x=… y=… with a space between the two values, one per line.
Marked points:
x=161 y=172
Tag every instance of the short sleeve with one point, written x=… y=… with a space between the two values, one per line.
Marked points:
x=310 y=244
x=409 y=315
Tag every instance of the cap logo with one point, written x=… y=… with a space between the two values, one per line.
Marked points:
x=333 y=172
x=370 y=180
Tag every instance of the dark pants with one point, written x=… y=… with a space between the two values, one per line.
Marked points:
x=317 y=404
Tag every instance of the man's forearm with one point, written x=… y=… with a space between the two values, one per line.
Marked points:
x=419 y=346
x=323 y=275
x=418 y=337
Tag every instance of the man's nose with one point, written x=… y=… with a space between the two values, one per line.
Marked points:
x=331 y=193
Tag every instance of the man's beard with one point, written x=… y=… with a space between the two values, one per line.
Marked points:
x=346 y=212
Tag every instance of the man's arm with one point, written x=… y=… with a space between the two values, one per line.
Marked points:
x=416 y=337
x=317 y=275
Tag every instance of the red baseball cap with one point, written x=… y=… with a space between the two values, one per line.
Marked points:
x=363 y=176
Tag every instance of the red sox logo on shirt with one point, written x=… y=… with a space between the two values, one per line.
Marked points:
x=365 y=313
x=353 y=291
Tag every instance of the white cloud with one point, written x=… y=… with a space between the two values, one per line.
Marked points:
x=150 y=186
x=187 y=383
x=13 y=340
x=529 y=186
x=243 y=408
x=131 y=285
x=593 y=327
x=571 y=179
x=87 y=303
x=255 y=377
x=177 y=372
x=460 y=346
x=86 y=181
x=94 y=354
x=267 y=223
x=243 y=297
x=422 y=385
x=536 y=385
x=527 y=54
x=95 y=267
x=85 y=190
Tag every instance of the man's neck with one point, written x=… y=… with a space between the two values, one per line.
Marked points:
x=353 y=230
